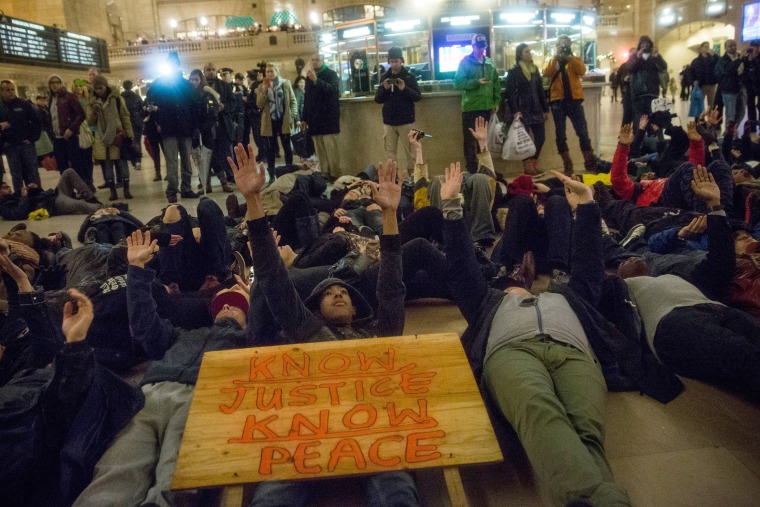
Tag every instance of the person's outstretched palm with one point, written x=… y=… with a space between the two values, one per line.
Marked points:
x=451 y=182
x=704 y=186
x=249 y=177
x=387 y=193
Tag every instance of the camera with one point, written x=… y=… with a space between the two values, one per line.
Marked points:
x=418 y=134
x=394 y=81
x=564 y=50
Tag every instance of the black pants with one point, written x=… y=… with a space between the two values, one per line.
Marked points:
x=470 y=143
x=548 y=237
x=572 y=109
x=713 y=343
x=627 y=108
x=272 y=146
x=538 y=130
x=753 y=99
x=426 y=223
x=188 y=262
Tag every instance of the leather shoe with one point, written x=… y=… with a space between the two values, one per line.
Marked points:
x=189 y=194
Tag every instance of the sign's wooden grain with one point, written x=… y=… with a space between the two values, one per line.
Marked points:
x=333 y=409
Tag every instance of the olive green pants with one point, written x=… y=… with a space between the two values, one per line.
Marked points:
x=553 y=395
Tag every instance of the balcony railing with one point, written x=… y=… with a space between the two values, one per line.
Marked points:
x=280 y=40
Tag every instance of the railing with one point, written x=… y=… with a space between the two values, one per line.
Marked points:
x=617 y=22
x=284 y=40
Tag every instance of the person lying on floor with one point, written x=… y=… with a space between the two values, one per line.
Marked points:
x=686 y=328
x=333 y=311
x=137 y=469
x=534 y=356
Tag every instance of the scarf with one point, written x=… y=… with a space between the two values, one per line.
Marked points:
x=527 y=69
x=276 y=97
x=108 y=121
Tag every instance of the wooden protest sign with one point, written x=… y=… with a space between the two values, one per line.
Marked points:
x=332 y=409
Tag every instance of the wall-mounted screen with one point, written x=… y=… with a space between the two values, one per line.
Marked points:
x=751 y=22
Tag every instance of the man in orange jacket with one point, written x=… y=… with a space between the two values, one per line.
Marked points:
x=566 y=100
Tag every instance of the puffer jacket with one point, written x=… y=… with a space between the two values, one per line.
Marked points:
x=477 y=97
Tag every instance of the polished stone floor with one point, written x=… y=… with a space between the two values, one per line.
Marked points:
x=702 y=449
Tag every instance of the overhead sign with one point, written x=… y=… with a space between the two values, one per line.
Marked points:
x=519 y=17
x=356 y=31
x=30 y=43
x=401 y=25
x=333 y=409
x=563 y=17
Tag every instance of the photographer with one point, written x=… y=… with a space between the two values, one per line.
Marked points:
x=645 y=66
x=566 y=101
x=397 y=93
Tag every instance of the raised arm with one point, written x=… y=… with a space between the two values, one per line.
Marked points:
x=271 y=275
x=390 y=285
x=621 y=183
x=696 y=145
x=586 y=253
x=155 y=334
x=466 y=282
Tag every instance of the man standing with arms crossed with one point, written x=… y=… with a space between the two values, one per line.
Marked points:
x=398 y=91
x=481 y=93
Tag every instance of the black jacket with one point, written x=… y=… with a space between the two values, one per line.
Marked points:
x=135 y=107
x=727 y=72
x=624 y=358
x=25 y=125
x=703 y=69
x=398 y=105
x=173 y=95
x=232 y=105
x=527 y=97
x=321 y=108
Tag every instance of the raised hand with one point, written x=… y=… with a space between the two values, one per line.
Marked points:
x=19 y=275
x=451 y=182
x=705 y=187
x=387 y=193
x=140 y=249
x=696 y=227
x=249 y=176
x=643 y=121
x=625 y=137
x=691 y=132
x=481 y=130
x=714 y=117
x=576 y=191
x=75 y=325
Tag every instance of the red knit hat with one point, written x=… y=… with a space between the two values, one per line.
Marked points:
x=522 y=185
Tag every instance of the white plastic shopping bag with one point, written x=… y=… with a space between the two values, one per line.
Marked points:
x=495 y=135
x=518 y=145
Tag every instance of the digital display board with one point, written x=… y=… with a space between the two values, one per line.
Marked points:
x=30 y=43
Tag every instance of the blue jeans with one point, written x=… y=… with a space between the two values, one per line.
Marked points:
x=573 y=109
x=22 y=162
x=396 y=489
x=174 y=146
x=734 y=104
x=372 y=219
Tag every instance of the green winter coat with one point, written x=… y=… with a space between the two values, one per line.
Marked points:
x=476 y=96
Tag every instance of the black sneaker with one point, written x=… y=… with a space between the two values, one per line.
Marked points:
x=367 y=232
x=121 y=206
x=172 y=198
x=189 y=194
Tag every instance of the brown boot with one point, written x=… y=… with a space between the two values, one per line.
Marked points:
x=225 y=184
x=568 y=163
x=589 y=161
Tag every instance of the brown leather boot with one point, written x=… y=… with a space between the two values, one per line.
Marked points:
x=223 y=180
x=568 y=163
x=589 y=161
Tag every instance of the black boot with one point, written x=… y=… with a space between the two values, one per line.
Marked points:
x=113 y=195
x=158 y=175
x=127 y=194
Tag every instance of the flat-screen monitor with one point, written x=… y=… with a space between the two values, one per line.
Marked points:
x=751 y=22
x=450 y=56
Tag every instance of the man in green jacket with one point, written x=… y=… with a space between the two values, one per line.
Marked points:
x=481 y=92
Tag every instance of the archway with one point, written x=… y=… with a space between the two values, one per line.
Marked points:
x=681 y=45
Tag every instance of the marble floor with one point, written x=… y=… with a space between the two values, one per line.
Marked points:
x=702 y=449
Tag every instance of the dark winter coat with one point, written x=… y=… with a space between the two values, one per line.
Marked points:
x=321 y=108
x=173 y=95
x=527 y=97
x=398 y=105
x=703 y=69
x=25 y=125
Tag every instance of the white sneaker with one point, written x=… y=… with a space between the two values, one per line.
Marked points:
x=635 y=233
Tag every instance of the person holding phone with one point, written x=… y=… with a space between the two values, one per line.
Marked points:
x=279 y=109
x=398 y=91
x=321 y=113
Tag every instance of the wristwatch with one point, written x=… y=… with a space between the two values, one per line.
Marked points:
x=719 y=207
